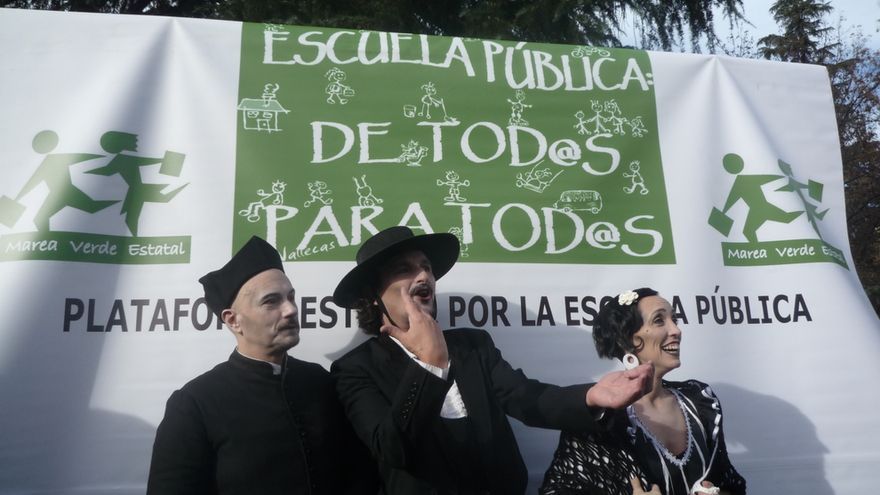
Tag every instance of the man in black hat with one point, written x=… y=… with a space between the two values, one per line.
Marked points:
x=261 y=422
x=431 y=405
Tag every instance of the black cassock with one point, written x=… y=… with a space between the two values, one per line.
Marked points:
x=240 y=429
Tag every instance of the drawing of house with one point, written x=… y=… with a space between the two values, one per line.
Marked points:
x=261 y=114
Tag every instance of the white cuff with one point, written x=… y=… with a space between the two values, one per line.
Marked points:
x=453 y=404
x=435 y=370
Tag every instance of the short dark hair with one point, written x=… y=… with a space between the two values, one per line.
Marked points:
x=617 y=323
x=369 y=316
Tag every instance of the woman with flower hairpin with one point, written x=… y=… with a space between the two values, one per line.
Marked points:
x=670 y=441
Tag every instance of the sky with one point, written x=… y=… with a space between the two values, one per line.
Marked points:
x=856 y=12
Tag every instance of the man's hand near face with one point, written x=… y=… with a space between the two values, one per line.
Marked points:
x=424 y=338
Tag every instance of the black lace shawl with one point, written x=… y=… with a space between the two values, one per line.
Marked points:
x=603 y=463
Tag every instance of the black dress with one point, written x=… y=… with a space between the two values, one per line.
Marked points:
x=604 y=462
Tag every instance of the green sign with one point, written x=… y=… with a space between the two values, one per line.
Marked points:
x=527 y=152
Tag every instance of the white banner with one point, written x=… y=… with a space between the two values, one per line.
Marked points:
x=131 y=164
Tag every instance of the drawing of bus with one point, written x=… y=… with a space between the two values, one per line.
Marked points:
x=579 y=200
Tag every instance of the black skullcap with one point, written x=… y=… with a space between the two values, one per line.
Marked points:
x=221 y=286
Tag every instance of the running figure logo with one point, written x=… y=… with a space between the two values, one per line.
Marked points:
x=54 y=172
x=37 y=224
x=761 y=212
x=128 y=166
x=748 y=189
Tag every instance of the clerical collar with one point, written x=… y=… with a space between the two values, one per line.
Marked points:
x=276 y=368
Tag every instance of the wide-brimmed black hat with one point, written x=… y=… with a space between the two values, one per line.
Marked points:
x=441 y=249
x=221 y=286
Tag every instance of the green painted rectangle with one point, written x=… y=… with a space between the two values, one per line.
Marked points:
x=95 y=248
x=781 y=253
x=527 y=152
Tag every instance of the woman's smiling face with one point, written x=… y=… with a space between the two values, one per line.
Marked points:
x=659 y=338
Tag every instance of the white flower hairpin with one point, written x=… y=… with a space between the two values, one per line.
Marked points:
x=627 y=298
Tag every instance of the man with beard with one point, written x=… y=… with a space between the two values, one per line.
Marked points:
x=261 y=422
x=431 y=405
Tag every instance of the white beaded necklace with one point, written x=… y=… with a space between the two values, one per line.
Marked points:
x=658 y=446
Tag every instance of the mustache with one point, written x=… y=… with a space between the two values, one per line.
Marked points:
x=421 y=286
x=291 y=323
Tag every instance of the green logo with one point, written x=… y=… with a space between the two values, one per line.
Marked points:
x=54 y=178
x=747 y=190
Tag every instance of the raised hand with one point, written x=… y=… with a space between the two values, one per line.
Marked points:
x=621 y=388
x=424 y=338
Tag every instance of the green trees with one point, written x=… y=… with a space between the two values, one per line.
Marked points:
x=562 y=21
x=855 y=82
x=803 y=32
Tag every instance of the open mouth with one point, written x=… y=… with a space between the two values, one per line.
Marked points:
x=422 y=291
x=672 y=348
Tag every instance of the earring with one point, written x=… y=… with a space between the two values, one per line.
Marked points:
x=630 y=361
